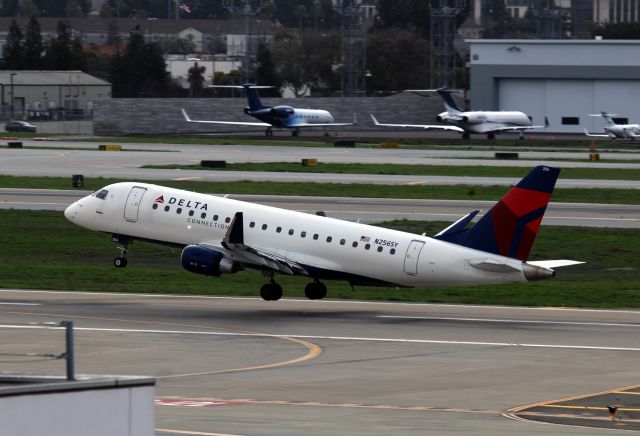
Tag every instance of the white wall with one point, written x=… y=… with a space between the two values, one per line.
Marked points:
x=104 y=412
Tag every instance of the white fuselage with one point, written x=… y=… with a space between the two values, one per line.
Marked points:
x=327 y=247
x=623 y=130
x=485 y=121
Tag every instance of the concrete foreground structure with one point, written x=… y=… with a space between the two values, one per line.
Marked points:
x=95 y=405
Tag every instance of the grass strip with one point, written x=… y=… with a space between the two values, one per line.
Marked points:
x=455 y=192
x=43 y=250
x=417 y=170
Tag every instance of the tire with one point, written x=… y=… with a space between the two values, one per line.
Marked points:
x=271 y=292
x=120 y=262
x=315 y=291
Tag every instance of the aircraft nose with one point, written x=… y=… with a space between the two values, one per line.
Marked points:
x=70 y=211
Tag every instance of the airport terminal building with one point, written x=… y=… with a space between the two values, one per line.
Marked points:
x=557 y=82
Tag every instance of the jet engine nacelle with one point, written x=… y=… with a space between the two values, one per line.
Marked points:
x=201 y=260
x=282 y=111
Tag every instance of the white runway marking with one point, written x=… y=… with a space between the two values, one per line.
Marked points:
x=21 y=304
x=513 y=321
x=333 y=338
x=321 y=302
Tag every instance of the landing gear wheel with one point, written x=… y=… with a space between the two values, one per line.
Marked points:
x=465 y=135
x=295 y=132
x=315 y=291
x=120 y=262
x=271 y=291
x=491 y=136
x=269 y=132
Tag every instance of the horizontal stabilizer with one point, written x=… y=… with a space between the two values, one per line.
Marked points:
x=554 y=263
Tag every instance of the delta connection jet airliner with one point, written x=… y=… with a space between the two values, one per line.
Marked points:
x=223 y=236
x=467 y=122
x=277 y=116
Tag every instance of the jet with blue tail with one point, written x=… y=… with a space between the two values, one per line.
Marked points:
x=468 y=122
x=282 y=117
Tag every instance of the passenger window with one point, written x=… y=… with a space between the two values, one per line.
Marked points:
x=166 y=208
x=315 y=237
x=264 y=227
x=329 y=238
x=252 y=224
x=102 y=194
x=355 y=244
x=380 y=249
x=155 y=205
x=227 y=219
x=279 y=229
x=203 y=215
x=179 y=210
x=392 y=251
x=291 y=231
x=303 y=234
x=215 y=217
x=191 y=213
x=343 y=241
x=367 y=246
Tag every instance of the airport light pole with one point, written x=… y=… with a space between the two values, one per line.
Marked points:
x=12 y=98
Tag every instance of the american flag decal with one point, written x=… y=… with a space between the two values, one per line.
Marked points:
x=364 y=239
x=160 y=199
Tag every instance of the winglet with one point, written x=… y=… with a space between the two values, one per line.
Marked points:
x=184 y=114
x=235 y=232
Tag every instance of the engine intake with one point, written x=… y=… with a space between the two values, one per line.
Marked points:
x=201 y=260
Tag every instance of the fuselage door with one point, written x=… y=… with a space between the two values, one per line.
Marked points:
x=411 y=258
x=133 y=203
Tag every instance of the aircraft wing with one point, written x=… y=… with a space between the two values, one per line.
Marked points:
x=320 y=125
x=251 y=257
x=234 y=123
x=503 y=129
x=420 y=126
x=596 y=135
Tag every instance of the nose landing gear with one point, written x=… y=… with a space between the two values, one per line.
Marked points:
x=121 y=261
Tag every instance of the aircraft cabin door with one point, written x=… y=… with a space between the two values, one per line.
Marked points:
x=411 y=258
x=133 y=203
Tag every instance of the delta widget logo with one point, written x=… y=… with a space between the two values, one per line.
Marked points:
x=160 y=199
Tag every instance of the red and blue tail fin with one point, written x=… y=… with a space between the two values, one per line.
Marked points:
x=512 y=225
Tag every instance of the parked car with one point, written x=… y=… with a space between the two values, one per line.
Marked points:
x=19 y=126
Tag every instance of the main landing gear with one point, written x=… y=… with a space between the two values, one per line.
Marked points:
x=121 y=261
x=269 y=132
x=315 y=290
x=272 y=291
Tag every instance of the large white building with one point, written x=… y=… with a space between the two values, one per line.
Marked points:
x=557 y=82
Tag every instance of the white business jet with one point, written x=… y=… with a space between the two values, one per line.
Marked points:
x=223 y=236
x=286 y=117
x=467 y=122
x=613 y=130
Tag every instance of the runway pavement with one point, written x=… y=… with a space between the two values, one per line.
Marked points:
x=367 y=210
x=244 y=366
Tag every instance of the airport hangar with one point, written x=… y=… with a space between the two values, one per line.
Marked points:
x=557 y=82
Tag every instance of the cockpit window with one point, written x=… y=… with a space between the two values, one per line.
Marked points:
x=102 y=194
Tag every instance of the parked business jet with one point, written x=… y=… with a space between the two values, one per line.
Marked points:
x=467 y=122
x=275 y=116
x=223 y=236
x=613 y=130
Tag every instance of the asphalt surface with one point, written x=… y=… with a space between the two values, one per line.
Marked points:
x=126 y=165
x=366 y=210
x=244 y=366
